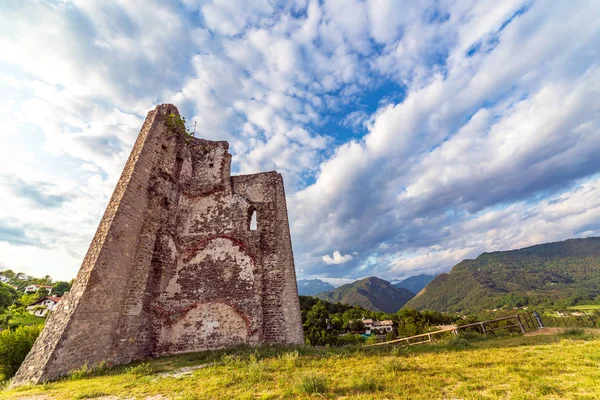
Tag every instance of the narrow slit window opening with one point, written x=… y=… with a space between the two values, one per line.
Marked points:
x=253 y=221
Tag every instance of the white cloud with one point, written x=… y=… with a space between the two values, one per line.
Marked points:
x=337 y=258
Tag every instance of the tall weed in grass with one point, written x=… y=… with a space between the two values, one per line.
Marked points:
x=14 y=346
x=368 y=384
x=289 y=359
x=140 y=370
x=393 y=365
x=86 y=371
x=256 y=369
x=90 y=395
x=313 y=384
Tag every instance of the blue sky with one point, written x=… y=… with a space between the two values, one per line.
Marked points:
x=411 y=135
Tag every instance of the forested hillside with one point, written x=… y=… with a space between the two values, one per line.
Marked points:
x=370 y=293
x=552 y=274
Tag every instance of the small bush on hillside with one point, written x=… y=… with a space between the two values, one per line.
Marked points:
x=372 y=340
x=350 y=340
x=86 y=371
x=14 y=346
x=573 y=332
x=140 y=370
x=312 y=383
x=470 y=335
x=458 y=342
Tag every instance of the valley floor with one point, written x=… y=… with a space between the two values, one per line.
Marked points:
x=555 y=366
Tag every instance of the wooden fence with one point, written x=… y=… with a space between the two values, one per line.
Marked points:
x=524 y=322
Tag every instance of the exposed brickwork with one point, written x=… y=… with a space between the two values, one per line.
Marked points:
x=174 y=266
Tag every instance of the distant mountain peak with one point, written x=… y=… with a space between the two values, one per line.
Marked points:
x=371 y=293
x=310 y=287
x=415 y=283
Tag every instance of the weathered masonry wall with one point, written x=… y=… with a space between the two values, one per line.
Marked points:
x=175 y=265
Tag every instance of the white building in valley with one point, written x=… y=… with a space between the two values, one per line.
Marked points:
x=43 y=306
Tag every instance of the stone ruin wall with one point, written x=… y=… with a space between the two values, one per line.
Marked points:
x=174 y=266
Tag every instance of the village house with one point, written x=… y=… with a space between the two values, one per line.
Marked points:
x=43 y=306
x=383 y=326
x=35 y=288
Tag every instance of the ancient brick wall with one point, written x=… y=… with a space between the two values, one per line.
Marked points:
x=175 y=266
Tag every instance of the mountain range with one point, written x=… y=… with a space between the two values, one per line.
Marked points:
x=310 y=287
x=370 y=293
x=552 y=274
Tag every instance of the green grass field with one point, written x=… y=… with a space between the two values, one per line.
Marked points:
x=586 y=307
x=515 y=367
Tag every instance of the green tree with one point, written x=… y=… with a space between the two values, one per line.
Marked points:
x=41 y=293
x=9 y=273
x=315 y=326
x=8 y=296
x=356 y=325
x=61 y=288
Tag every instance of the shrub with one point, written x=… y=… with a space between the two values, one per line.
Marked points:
x=470 y=335
x=14 y=346
x=312 y=383
x=350 y=340
x=100 y=369
x=573 y=332
x=372 y=339
x=140 y=370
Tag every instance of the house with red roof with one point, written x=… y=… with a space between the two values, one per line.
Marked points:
x=43 y=306
x=35 y=288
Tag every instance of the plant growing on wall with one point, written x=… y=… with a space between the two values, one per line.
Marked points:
x=177 y=124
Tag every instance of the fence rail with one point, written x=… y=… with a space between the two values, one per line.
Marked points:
x=522 y=321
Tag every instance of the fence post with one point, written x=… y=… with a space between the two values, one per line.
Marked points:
x=483 y=329
x=520 y=324
x=538 y=318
